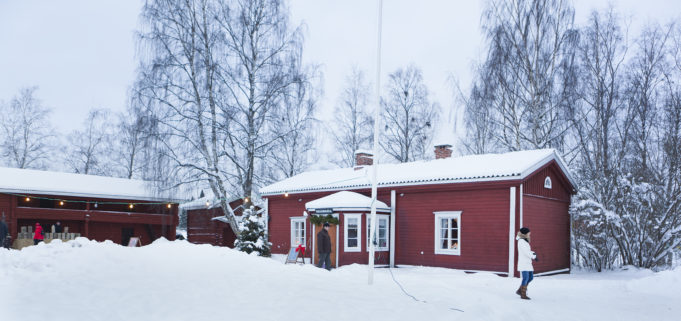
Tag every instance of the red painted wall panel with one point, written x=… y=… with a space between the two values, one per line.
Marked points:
x=484 y=229
x=549 y=223
x=560 y=188
x=201 y=229
x=484 y=233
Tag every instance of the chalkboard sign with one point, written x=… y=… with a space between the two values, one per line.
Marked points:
x=292 y=256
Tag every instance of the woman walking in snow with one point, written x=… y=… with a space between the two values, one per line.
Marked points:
x=525 y=257
x=38 y=235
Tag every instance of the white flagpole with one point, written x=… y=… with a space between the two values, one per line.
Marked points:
x=377 y=118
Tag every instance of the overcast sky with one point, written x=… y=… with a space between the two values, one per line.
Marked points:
x=81 y=53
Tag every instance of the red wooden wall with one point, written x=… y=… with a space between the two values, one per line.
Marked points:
x=201 y=229
x=545 y=213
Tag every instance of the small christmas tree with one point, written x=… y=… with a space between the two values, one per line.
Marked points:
x=252 y=237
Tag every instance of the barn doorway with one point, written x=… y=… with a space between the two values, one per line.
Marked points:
x=126 y=234
x=333 y=234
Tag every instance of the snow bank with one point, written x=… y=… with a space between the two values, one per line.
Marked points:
x=87 y=280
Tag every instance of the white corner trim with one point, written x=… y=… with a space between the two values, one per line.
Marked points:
x=511 y=233
x=392 y=228
x=521 y=205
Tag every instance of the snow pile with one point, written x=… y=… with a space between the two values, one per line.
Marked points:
x=86 y=280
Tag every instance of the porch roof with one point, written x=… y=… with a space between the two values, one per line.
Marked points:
x=345 y=200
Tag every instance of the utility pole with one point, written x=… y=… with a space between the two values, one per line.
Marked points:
x=377 y=117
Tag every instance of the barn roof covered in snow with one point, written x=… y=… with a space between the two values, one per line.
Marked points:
x=345 y=200
x=471 y=168
x=28 y=181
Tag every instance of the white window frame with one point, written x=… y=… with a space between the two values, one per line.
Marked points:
x=294 y=220
x=438 y=219
x=358 y=217
x=547 y=182
x=380 y=217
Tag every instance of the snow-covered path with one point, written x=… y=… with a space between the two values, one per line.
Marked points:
x=85 y=280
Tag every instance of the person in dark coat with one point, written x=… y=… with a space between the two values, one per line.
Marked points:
x=38 y=234
x=4 y=233
x=324 y=247
x=58 y=228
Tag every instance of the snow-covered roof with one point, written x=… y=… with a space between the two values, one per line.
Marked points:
x=471 y=168
x=200 y=203
x=28 y=181
x=345 y=200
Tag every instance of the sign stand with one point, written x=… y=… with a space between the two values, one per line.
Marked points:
x=293 y=256
x=134 y=242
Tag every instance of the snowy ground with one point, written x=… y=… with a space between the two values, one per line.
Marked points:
x=85 y=280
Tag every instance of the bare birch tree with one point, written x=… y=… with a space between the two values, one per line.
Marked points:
x=179 y=79
x=531 y=70
x=353 y=126
x=263 y=61
x=215 y=75
x=88 y=150
x=26 y=131
x=296 y=130
x=408 y=115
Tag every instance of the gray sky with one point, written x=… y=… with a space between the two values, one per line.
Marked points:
x=81 y=53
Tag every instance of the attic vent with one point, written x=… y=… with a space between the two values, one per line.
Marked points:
x=547 y=182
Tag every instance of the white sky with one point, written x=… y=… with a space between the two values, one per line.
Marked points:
x=81 y=53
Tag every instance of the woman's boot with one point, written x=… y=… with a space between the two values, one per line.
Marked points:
x=523 y=293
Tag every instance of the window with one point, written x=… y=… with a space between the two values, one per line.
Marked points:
x=353 y=232
x=448 y=233
x=547 y=182
x=381 y=232
x=297 y=231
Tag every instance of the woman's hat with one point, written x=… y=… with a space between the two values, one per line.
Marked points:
x=524 y=230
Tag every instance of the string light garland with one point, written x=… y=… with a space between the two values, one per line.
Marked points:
x=63 y=202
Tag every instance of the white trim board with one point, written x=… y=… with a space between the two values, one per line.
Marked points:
x=511 y=234
x=552 y=272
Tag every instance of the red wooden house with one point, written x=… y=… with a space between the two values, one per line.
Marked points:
x=460 y=213
x=96 y=207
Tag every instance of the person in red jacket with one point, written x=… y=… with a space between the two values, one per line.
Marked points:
x=38 y=235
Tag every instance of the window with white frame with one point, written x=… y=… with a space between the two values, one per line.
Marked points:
x=381 y=237
x=297 y=231
x=353 y=232
x=547 y=182
x=448 y=233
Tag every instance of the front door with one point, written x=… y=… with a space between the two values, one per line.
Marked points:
x=333 y=230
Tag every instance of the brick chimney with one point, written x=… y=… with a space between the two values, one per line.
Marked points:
x=363 y=158
x=443 y=151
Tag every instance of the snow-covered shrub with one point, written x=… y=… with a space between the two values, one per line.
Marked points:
x=252 y=234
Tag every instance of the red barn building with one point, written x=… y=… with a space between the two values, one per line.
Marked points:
x=96 y=207
x=460 y=213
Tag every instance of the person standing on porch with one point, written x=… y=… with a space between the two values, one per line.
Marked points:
x=4 y=232
x=525 y=257
x=38 y=235
x=324 y=247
